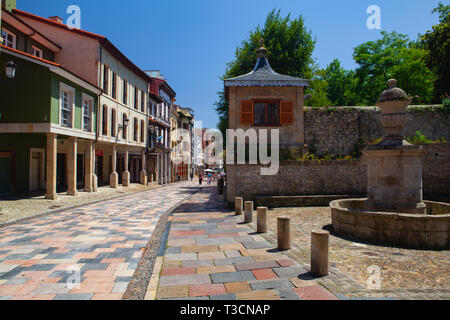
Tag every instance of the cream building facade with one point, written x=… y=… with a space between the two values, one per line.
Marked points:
x=121 y=141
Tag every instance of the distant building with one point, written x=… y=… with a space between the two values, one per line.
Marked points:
x=182 y=143
x=162 y=98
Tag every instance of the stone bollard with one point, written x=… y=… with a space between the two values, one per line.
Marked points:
x=284 y=233
x=248 y=211
x=238 y=206
x=319 y=252
x=261 y=224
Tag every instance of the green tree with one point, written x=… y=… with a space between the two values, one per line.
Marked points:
x=318 y=89
x=436 y=42
x=289 y=44
x=392 y=56
x=341 y=85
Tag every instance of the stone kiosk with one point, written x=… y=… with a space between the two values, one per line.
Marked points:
x=265 y=99
x=394 y=212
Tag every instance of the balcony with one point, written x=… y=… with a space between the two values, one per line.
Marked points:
x=156 y=146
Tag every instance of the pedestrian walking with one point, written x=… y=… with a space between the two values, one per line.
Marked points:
x=209 y=178
x=200 y=178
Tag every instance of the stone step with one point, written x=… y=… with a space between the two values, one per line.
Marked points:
x=299 y=201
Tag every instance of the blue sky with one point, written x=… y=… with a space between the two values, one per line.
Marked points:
x=190 y=41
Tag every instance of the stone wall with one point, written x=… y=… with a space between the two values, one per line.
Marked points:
x=436 y=172
x=333 y=177
x=340 y=130
x=298 y=178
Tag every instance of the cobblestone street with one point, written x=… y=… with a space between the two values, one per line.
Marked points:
x=203 y=252
x=98 y=244
x=211 y=254
x=401 y=268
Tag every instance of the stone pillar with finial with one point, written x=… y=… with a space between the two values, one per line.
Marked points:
x=394 y=166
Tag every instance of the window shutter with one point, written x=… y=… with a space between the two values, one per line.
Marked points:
x=247 y=112
x=286 y=112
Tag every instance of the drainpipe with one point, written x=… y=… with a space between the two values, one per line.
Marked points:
x=97 y=133
x=97 y=129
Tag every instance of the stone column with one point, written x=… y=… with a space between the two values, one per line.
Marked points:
x=164 y=157
x=163 y=172
x=152 y=169
x=114 y=178
x=89 y=167
x=170 y=169
x=238 y=206
x=72 y=167
x=126 y=173
x=51 y=166
x=319 y=252
x=167 y=169
x=132 y=168
x=262 y=220
x=248 y=211
x=284 y=233
x=158 y=168
x=143 y=175
x=94 y=175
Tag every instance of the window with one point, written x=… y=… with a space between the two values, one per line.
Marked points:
x=125 y=92
x=267 y=113
x=114 y=85
x=124 y=128
x=105 y=78
x=105 y=120
x=136 y=98
x=87 y=111
x=66 y=105
x=142 y=131
x=135 y=132
x=9 y=38
x=113 y=122
x=142 y=101
x=37 y=52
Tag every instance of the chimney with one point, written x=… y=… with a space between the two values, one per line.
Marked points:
x=9 y=4
x=56 y=19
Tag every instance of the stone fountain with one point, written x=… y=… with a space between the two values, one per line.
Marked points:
x=394 y=212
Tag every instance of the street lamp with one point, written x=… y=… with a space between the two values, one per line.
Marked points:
x=10 y=68
x=126 y=122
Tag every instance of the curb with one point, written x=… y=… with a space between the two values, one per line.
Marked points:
x=137 y=288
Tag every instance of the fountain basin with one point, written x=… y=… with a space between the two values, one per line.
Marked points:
x=418 y=231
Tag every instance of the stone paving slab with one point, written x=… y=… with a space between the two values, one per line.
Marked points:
x=180 y=280
x=96 y=248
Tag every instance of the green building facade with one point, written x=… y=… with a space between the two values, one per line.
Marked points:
x=30 y=109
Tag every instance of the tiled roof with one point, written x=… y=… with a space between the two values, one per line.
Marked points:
x=101 y=39
x=30 y=55
x=54 y=64
x=263 y=75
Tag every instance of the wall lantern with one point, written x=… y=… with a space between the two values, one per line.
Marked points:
x=10 y=69
x=126 y=122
